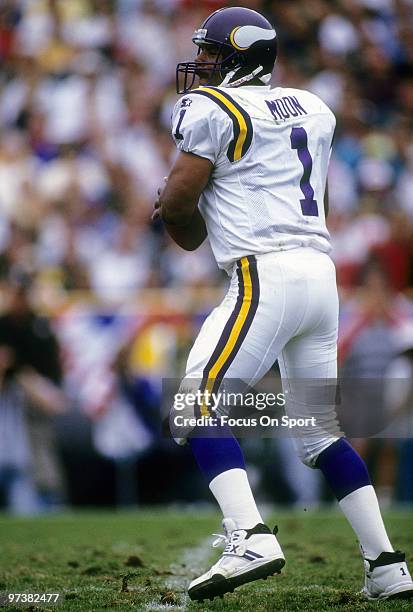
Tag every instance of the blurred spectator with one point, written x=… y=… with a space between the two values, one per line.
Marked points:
x=370 y=323
x=128 y=427
x=37 y=367
x=17 y=490
x=399 y=403
x=369 y=319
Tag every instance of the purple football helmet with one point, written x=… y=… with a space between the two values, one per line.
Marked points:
x=247 y=45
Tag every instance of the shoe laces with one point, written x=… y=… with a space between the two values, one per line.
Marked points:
x=229 y=536
x=230 y=544
x=220 y=539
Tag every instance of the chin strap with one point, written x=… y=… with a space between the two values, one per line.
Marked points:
x=248 y=77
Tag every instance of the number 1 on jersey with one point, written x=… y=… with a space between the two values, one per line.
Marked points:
x=178 y=134
x=299 y=142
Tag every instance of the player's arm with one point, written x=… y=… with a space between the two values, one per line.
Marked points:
x=326 y=202
x=178 y=201
x=200 y=130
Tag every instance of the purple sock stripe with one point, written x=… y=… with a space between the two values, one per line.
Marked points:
x=343 y=468
x=215 y=455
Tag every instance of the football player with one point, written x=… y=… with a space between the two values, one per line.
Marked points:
x=251 y=175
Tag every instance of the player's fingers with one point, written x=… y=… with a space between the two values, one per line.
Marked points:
x=156 y=210
x=165 y=179
x=156 y=215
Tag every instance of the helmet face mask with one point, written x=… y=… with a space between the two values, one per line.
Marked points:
x=246 y=47
x=227 y=59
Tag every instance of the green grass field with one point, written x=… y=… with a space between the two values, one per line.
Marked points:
x=144 y=560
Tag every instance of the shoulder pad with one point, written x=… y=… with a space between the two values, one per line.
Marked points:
x=241 y=121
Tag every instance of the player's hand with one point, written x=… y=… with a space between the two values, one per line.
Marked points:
x=156 y=210
x=157 y=206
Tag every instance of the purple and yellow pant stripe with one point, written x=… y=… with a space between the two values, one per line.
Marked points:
x=235 y=330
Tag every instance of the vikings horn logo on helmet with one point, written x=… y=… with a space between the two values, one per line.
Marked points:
x=243 y=37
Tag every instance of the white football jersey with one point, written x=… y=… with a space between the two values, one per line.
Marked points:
x=270 y=149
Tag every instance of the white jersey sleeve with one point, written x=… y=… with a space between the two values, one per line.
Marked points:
x=200 y=127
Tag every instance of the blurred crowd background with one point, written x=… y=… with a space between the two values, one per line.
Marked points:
x=98 y=305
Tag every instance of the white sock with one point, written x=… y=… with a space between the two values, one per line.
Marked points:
x=362 y=511
x=233 y=493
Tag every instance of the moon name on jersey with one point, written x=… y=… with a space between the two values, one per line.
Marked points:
x=286 y=107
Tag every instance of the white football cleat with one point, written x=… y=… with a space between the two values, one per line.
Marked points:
x=250 y=554
x=387 y=577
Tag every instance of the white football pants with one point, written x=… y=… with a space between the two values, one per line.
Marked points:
x=284 y=306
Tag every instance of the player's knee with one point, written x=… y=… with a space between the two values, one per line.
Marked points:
x=307 y=458
x=309 y=451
